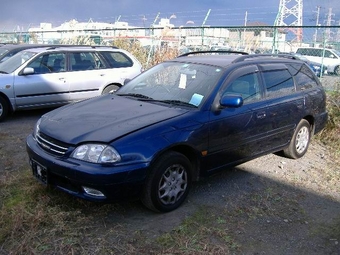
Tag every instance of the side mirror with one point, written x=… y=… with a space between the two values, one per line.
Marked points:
x=232 y=101
x=28 y=70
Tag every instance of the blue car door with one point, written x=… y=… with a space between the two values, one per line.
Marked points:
x=238 y=133
x=285 y=106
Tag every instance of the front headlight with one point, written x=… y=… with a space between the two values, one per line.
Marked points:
x=96 y=153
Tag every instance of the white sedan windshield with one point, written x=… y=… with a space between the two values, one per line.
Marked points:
x=14 y=62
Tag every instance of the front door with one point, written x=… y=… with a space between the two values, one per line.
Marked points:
x=46 y=86
x=237 y=133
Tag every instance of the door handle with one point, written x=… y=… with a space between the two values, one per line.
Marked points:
x=261 y=115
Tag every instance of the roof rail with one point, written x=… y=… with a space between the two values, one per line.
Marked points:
x=76 y=45
x=242 y=58
x=213 y=51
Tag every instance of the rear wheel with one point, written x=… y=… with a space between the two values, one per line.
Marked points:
x=168 y=184
x=300 y=141
x=110 y=88
x=4 y=108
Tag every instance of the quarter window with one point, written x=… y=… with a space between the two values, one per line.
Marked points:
x=117 y=59
x=303 y=77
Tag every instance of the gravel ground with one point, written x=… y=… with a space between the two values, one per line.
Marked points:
x=270 y=205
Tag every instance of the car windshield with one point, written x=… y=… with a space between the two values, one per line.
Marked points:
x=337 y=52
x=3 y=52
x=183 y=84
x=12 y=63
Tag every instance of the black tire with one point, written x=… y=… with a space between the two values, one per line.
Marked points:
x=337 y=70
x=109 y=88
x=4 y=108
x=298 y=146
x=162 y=194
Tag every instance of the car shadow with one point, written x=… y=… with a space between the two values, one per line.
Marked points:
x=259 y=211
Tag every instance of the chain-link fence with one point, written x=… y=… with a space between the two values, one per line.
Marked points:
x=318 y=45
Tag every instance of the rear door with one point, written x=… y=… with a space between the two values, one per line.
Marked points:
x=87 y=76
x=285 y=106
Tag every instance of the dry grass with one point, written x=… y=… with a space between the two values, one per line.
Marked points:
x=330 y=135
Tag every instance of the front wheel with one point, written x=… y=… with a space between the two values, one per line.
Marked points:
x=168 y=184
x=4 y=108
x=300 y=141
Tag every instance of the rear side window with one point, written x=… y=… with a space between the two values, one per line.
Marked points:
x=278 y=83
x=117 y=59
x=81 y=61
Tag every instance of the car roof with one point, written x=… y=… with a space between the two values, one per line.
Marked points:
x=225 y=60
x=216 y=60
x=23 y=46
x=71 y=48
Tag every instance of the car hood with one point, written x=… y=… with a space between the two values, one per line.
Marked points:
x=103 y=119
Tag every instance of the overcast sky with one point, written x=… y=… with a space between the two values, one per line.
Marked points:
x=23 y=14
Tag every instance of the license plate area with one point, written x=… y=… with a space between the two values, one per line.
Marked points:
x=39 y=172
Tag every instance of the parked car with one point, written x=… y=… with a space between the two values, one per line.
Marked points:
x=328 y=57
x=55 y=76
x=178 y=121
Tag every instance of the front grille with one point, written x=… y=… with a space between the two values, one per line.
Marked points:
x=51 y=145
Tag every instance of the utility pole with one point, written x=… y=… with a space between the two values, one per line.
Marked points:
x=204 y=21
x=329 y=23
x=152 y=39
x=317 y=24
x=294 y=11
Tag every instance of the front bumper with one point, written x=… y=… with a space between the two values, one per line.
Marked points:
x=74 y=176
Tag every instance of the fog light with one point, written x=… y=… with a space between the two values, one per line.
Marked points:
x=93 y=192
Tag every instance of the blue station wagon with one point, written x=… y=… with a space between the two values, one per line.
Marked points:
x=173 y=124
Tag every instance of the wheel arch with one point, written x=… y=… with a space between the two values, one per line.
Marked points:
x=188 y=152
x=311 y=121
x=111 y=84
x=10 y=109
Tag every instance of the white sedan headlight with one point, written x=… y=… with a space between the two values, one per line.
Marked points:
x=96 y=153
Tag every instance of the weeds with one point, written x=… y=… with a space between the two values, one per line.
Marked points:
x=331 y=133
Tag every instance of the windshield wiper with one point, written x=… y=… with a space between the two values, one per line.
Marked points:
x=3 y=72
x=178 y=102
x=136 y=95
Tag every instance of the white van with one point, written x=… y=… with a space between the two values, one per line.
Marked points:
x=328 y=57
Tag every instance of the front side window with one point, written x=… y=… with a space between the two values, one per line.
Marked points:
x=247 y=86
x=278 y=83
x=48 y=63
